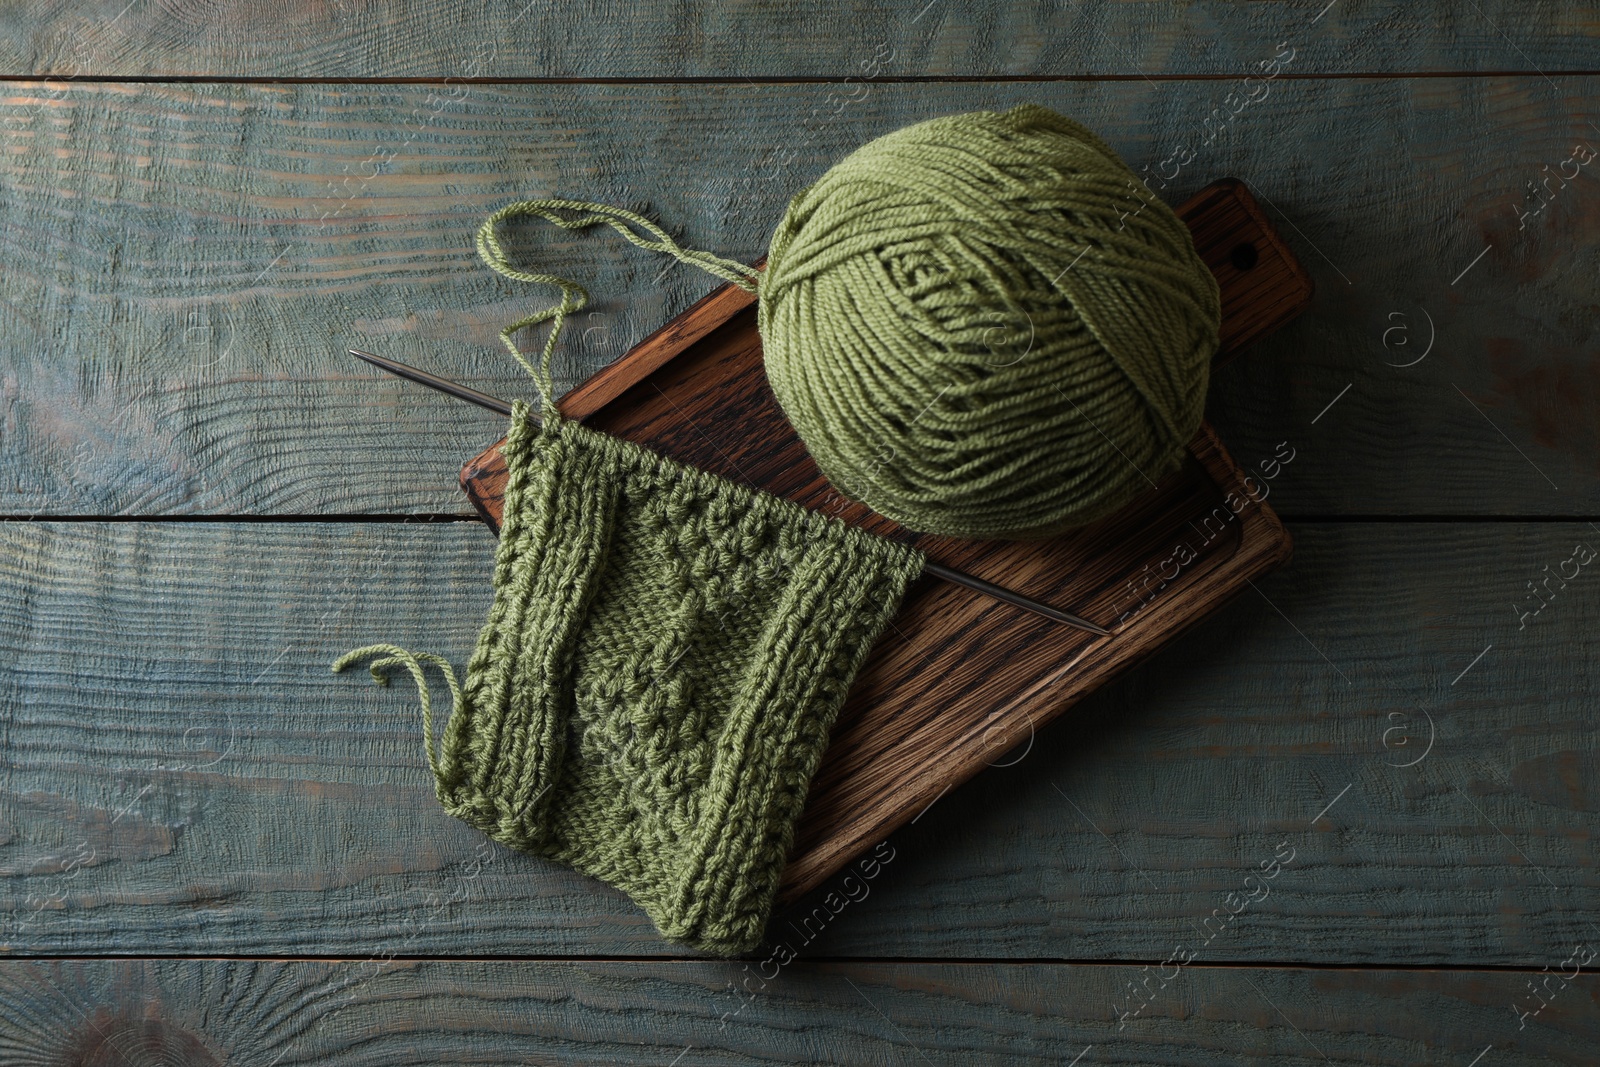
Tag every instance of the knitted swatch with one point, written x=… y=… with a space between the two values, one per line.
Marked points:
x=654 y=687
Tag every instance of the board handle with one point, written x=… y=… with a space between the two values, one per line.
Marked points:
x=1263 y=285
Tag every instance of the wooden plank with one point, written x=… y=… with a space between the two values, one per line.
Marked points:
x=953 y=671
x=200 y=1013
x=187 y=264
x=515 y=39
x=182 y=774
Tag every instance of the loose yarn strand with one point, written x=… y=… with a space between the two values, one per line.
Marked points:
x=573 y=296
x=395 y=656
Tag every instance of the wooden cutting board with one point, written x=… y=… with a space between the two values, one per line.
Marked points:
x=960 y=680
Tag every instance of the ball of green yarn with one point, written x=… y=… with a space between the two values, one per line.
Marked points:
x=985 y=325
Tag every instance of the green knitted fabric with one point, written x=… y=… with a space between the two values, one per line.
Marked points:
x=656 y=681
x=655 y=684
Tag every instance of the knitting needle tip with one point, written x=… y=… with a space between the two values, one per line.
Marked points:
x=433 y=381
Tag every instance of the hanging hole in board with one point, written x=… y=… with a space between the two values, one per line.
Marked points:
x=1244 y=256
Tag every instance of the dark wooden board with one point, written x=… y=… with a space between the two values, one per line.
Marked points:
x=406 y=1013
x=958 y=676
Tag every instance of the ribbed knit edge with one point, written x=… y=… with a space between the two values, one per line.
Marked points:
x=818 y=638
x=515 y=727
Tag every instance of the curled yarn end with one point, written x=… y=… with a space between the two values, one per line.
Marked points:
x=580 y=215
x=394 y=656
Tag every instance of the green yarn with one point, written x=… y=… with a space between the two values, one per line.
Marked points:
x=656 y=681
x=983 y=326
x=663 y=661
x=575 y=297
x=667 y=650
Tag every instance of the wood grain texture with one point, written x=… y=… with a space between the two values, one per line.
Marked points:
x=778 y=38
x=955 y=671
x=187 y=263
x=198 y=1013
x=183 y=775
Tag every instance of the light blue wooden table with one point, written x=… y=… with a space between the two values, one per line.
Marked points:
x=213 y=851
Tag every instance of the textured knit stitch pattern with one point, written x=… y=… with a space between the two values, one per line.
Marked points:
x=655 y=684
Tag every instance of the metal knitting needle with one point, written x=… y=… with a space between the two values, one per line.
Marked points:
x=977 y=585
x=999 y=592
x=433 y=381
